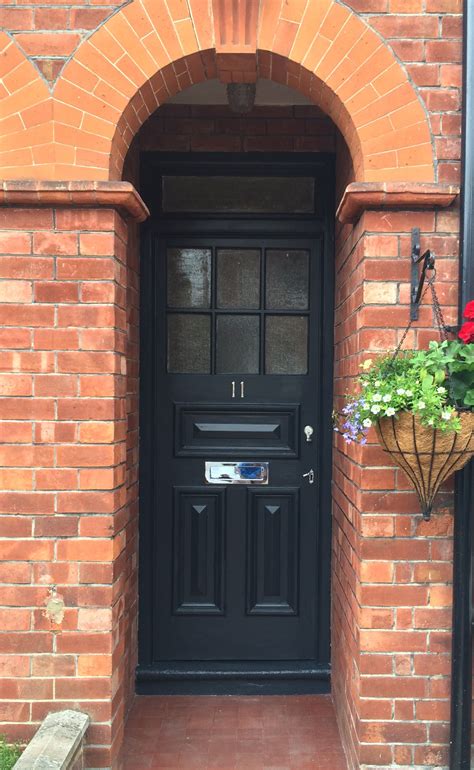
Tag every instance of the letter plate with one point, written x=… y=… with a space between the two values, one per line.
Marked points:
x=218 y=472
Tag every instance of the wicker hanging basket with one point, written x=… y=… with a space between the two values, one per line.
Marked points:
x=427 y=455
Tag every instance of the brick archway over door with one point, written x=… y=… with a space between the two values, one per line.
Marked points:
x=150 y=50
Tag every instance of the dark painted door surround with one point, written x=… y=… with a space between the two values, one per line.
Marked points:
x=234 y=444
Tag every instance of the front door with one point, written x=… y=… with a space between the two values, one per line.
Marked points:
x=232 y=390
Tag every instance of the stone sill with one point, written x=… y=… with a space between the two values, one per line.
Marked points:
x=117 y=195
x=58 y=743
x=362 y=196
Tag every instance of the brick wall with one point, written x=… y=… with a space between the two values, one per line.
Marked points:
x=391 y=571
x=67 y=480
x=426 y=35
x=69 y=321
x=215 y=128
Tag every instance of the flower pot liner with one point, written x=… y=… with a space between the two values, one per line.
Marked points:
x=428 y=456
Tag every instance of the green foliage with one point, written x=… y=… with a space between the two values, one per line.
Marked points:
x=435 y=384
x=8 y=754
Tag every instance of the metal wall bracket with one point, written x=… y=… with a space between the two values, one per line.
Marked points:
x=418 y=280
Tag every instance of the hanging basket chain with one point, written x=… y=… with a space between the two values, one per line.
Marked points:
x=443 y=329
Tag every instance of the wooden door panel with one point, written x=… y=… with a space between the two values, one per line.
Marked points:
x=210 y=430
x=273 y=551
x=199 y=546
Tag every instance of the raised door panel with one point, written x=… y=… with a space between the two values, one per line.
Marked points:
x=198 y=551
x=273 y=551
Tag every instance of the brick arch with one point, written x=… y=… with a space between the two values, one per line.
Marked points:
x=151 y=49
x=26 y=130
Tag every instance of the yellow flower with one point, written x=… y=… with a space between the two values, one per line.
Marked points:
x=367 y=364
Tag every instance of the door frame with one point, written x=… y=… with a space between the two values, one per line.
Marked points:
x=227 y=678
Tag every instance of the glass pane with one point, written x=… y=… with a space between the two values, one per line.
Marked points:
x=238 y=338
x=189 y=277
x=238 y=278
x=286 y=345
x=189 y=343
x=287 y=279
x=234 y=194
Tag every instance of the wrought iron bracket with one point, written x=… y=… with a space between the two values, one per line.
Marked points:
x=418 y=279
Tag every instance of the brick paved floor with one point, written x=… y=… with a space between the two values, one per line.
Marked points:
x=233 y=733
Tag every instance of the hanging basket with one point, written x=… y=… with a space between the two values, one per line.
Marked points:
x=427 y=455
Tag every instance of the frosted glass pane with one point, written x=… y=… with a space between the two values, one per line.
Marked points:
x=233 y=194
x=189 y=277
x=286 y=345
x=189 y=343
x=238 y=278
x=287 y=279
x=238 y=338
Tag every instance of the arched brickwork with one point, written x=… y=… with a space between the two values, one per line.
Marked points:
x=26 y=128
x=150 y=50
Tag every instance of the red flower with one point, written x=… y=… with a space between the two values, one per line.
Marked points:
x=469 y=311
x=467 y=331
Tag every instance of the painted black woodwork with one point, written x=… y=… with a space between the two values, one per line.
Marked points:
x=461 y=751
x=234 y=581
x=208 y=431
x=273 y=559
x=198 y=551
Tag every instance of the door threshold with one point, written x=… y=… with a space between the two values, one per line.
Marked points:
x=237 y=678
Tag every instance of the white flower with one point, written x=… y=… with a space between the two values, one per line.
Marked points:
x=375 y=409
x=390 y=411
x=421 y=405
x=409 y=393
x=441 y=389
x=377 y=384
x=446 y=415
x=387 y=397
x=367 y=364
x=367 y=423
x=376 y=397
x=401 y=391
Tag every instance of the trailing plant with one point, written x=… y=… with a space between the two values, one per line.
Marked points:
x=436 y=384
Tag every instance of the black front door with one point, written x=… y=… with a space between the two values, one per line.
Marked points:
x=234 y=580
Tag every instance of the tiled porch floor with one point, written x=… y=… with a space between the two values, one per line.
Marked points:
x=233 y=733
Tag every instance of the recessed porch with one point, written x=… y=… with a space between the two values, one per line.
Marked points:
x=233 y=733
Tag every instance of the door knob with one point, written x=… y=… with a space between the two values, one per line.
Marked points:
x=308 y=431
x=309 y=476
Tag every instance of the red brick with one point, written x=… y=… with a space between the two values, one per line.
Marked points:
x=78 y=642
x=56 y=479
x=55 y=243
x=14 y=642
x=97 y=244
x=85 y=550
x=56 y=292
x=57 y=526
x=15 y=243
x=393 y=641
x=51 y=18
x=443 y=51
x=53 y=665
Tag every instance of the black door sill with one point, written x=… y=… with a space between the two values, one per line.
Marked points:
x=289 y=678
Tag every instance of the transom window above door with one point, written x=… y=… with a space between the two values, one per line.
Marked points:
x=237 y=310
